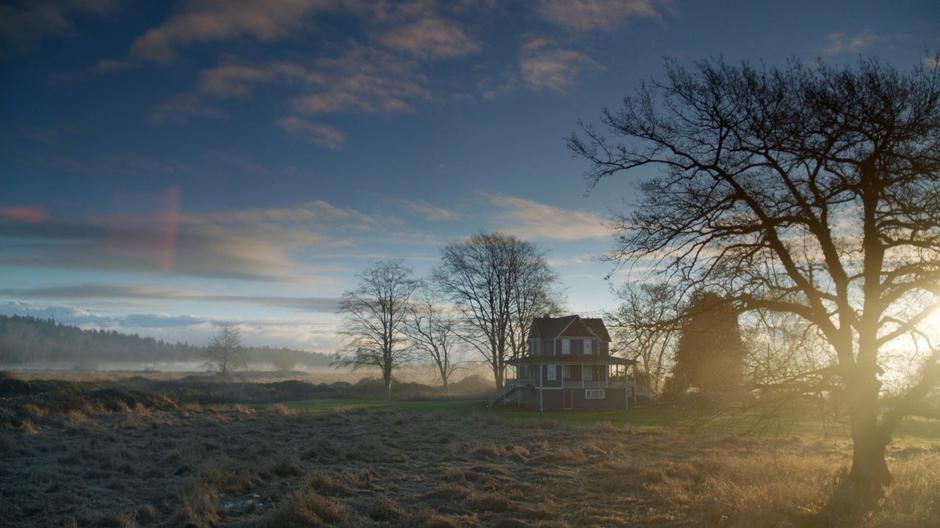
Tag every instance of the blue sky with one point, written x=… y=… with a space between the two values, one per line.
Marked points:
x=170 y=165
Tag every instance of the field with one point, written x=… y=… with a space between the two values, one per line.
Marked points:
x=433 y=463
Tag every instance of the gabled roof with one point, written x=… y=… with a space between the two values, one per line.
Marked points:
x=552 y=327
x=598 y=327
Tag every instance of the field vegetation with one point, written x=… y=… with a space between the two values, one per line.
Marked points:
x=126 y=456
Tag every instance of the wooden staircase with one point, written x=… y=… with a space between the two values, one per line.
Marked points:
x=503 y=393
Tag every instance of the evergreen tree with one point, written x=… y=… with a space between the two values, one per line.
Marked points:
x=710 y=354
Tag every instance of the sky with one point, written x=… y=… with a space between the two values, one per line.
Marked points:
x=169 y=166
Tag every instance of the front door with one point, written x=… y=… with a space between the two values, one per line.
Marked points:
x=568 y=403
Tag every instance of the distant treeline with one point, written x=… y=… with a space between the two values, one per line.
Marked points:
x=28 y=340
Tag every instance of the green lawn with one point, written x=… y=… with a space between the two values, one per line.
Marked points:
x=917 y=429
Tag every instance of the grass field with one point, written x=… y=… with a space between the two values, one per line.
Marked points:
x=354 y=463
x=754 y=423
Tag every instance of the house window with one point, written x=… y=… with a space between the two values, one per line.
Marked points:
x=588 y=374
x=552 y=374
x=588 y=347
x=520 y=372
x=565 y=346
x=533 y=347
x=594 y=394
x=565 y=372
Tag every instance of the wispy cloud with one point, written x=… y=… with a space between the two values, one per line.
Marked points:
x=428 y=211
x=363 y=79
x=597 y=15
x=840 y=42
x=238 y=80
x=23 y=213
x=432 y=38
x=182 y=107
x=221 y=20
x=112 y=66
x=144 y=292
x=537 y=221
x=32 y=20
x=254 y=244
x=547 y=67
x=317 y=133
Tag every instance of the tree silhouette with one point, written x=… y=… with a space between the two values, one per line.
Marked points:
x=225 y=353
x=376 y=314
x=710 y=352
x=432 y=330
x=810 y=190
x=499 y=283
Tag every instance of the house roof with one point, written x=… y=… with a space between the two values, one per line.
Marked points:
x=552 y=327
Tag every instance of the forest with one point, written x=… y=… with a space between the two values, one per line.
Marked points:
x=28 y=340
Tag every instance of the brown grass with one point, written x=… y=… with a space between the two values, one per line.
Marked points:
x=221 y=466
x=282 y=410
x=306 y=508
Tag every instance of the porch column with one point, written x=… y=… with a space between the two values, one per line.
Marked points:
x=541 y=399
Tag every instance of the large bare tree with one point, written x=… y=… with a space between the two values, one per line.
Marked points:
x=810 y=190
x=499 y=283
x=432 y=329
x=376 y=313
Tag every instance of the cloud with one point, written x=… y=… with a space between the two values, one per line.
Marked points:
x=237 y=80
x=239 y=163
x=428 y=211
x=112 y=66
x=840 y=42
x=23 y=214
x=532 y=220
x=363 y=79
x=144 y=292
x=596 y=15
x=432 y=38
x=222 y=20
x=180 y=108
x=360 y=79
x=253 y=244
x=316 y=133
x=35 y=19
x=546 y=67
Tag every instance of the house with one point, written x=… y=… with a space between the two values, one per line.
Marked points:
x=568 y=366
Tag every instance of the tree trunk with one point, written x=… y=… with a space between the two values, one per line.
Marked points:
x=869 y=474
x=498 y=376
x=387 y=378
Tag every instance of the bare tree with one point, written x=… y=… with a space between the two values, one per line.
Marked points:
x=432 y=329
x=376 y=314
x=498 y=283
x=647 y=325
x=225 y=353
x=808 y=190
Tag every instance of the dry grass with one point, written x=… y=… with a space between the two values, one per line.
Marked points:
x=282 y=410
x=225 y=466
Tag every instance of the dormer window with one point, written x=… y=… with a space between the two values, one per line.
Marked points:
x=565 y=346
x=533 y=347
